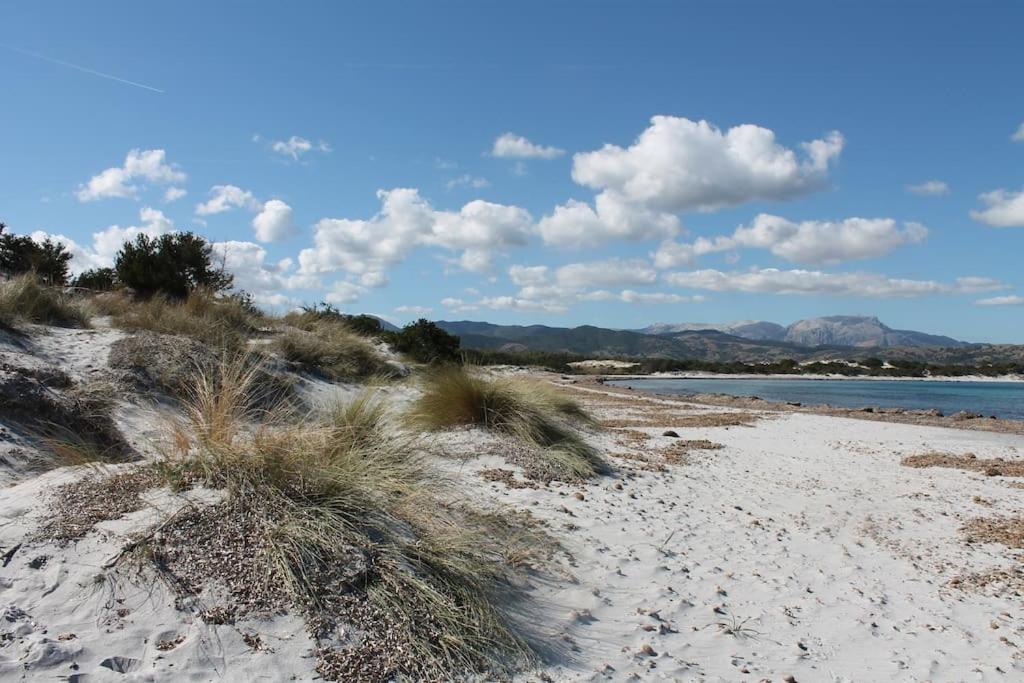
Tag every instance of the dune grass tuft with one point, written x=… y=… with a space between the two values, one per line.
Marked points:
x=332 y=349
x=24 y=299
x=531 y=411
x=355 y=531
x=223 y=322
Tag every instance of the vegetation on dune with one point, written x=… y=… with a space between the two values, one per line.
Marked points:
x=531 y=411
x=174 y=265
x=223 y=322
x=96 y=280
x=24 y=298
x=425 y=342
x=332 y=349
x=21 y=254
x=352 y=531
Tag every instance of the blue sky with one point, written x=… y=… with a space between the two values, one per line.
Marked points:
x=564 y=163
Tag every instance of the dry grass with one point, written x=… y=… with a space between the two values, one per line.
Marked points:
x=535 y=413
x=351 y=525
x=222 y=322
x=677 y=421
x=24 y=299
x=332 y=349
x=993 y=467
x=1006 y=530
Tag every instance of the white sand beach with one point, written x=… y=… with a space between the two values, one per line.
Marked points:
x=757 y=545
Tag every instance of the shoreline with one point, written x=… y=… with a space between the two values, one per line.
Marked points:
x=929 y=417
x=816 y=377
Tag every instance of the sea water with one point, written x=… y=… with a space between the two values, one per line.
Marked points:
x=1001 y=399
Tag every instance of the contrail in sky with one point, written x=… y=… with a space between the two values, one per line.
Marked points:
x=61 y=62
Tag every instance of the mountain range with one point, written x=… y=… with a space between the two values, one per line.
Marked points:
x=833 y=330
x=745 y=341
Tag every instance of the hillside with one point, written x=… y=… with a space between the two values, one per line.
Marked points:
x=834 y=330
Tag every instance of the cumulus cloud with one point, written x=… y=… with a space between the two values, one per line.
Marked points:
x=1018 y=135
x=173 y=194
x=296 y=147
x=679 y=165
x=577 y=224
x=929 y=188
x=264 y=279
x=274 y=222
x=512 y=146
x=226 y=197
x=812 y=242
x=344 y=292
x=458 y=305
x=609 y=273
x=405 y=221
x=816 y=282
x=1011 y=300
x=141 y=168
x=1003 y=209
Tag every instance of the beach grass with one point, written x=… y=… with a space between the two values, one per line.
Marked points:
x=218 y=321
x=345 y=490
x=333 y=350
x=24 y=299
x=531 y=411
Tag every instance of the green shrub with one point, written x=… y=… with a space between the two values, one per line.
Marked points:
x=21 y=254
x=425 y=342
x=173 y=265
x=97 y=280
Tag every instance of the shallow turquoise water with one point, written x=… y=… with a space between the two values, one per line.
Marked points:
x=1002 y=399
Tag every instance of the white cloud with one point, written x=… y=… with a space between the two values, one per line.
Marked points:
x=414 y=310
x=512 y=146
x=528 y=275
x=1018 y=135
x=610 y=273
x=1003 y=209
x=458 y=305
x=818 y=242
x=1012 y=300
x=813 y=242
x=265 y=280
x=295 y=147
x=929 y=188
x=406 y=221
x=226 y=197
x=467 y=180
x=816 y=282
x=681 y=165
x=274 y=222
x=373 y=279
x=140 y=166
x=343 y=292
x=630 y=297
x=173 y=194
x=576 y=224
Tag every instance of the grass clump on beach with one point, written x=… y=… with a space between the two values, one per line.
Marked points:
x=332 y=349
x=24 y=299
x=347 y=526
x=221 y=321
x=533 y=412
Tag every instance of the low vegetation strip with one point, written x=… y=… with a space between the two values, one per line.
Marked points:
x=993 y=467
x=25 y=299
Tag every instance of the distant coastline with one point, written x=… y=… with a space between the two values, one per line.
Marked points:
x=879 y=378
